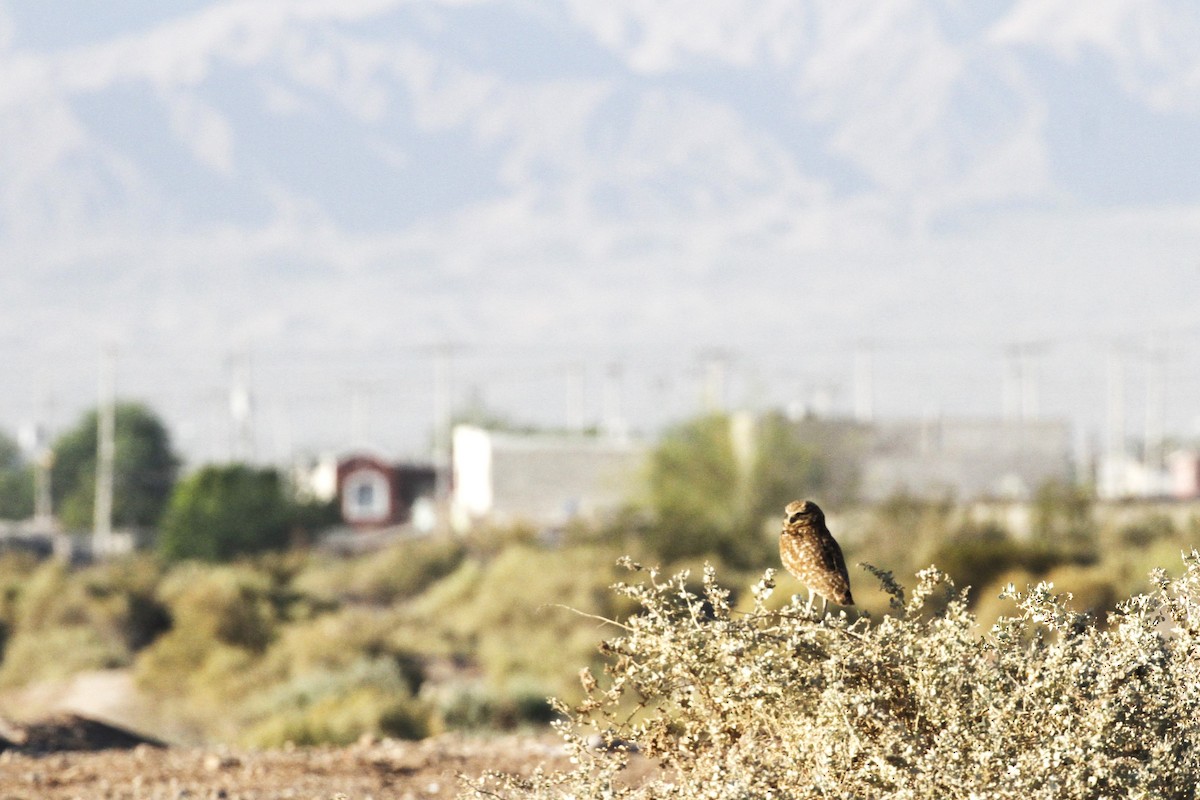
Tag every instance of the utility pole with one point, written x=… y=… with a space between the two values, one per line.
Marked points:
x=1020 y=381
x=38 y=446
x=1029 y=393
x=716 y=367
x=864 y=390
x=1011 y=391
x=43 y=505
x=362 y=394
x=1112 y=478
x=612 y=414
x=1114 y=441
x=241 y=408
x=358 y=416
x=575 y=389
x=443 y=388
x=1155 y=404
x=106 y=424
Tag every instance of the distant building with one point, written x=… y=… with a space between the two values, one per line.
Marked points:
x=374 y=493
x=316 y=478
x=541 y=478
x=966 y=458
x=1123 y=477
x=548 y=479
x=1183 y=466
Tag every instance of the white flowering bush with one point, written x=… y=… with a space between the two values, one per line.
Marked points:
x=920 y=703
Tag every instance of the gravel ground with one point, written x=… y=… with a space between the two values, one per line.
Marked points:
x=369 y=770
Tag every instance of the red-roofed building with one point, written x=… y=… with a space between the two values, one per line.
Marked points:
x=373 y=493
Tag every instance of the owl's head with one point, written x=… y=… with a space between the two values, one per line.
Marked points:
x=803 y=511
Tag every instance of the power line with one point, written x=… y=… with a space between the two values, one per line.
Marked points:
x=102 y=519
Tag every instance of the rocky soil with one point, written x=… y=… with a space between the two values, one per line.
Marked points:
x=58 y=759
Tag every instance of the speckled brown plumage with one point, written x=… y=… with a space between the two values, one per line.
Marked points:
x=808 y=551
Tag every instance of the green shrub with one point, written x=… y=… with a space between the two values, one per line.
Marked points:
x=712 y=481
x=10 y=591
x=58 y=653
x=396 y=573
x=230 y=605
x=1147 y=531
x=338 y=641
x=1062 y=515
x=144 y=469
x=122 y=595
x=474 y=707
x=252 y=659
x=59 y=622
x=512 y=617
x=338 y=706
x=221 y=617
x=904 y=531
x=916 y=704
x=976 y=561
x=222 y=512
x=1090 y=591
x=489 y=541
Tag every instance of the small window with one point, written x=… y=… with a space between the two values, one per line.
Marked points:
x=365 y=497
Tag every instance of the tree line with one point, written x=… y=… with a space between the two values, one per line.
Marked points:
x=707 y=488
x=215 y=514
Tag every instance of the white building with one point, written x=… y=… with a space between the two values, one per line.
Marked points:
x=967 y=458
x=1184 y=468
x=542 y=478
x=1121 y=477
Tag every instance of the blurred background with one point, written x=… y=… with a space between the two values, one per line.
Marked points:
x=420 y=298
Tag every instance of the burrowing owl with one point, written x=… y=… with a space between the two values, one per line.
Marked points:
x=808 y=551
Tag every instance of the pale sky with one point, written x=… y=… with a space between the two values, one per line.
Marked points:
x=317 y=194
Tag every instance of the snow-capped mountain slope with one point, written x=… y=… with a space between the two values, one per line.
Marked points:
x=289 y=171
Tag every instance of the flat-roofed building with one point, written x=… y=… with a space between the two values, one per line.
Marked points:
x=541 y=478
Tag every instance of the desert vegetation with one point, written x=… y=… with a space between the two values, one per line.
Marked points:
x=476 y=633
x=1043 y=643
x=310 y=648
x=764 y=700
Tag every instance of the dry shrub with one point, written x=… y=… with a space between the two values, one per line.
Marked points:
x=336 y=641
x=511 y=618
x=212 y=608
x=247 y=660
x=59 y=623
x=918 y=704
x=58 y=654
x=1148 y=530
x=338 y=705
x=995 y=602
x=973 y=562
x=224 y=619
x=393 y=574
x=333 y=679
x=1090 y=589
x=473 y=707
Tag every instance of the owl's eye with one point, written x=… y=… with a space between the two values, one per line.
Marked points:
x=795 y=517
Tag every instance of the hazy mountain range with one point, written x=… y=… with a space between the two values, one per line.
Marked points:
x=332 y=187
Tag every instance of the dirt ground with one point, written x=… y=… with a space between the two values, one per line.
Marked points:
x=369 y=770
